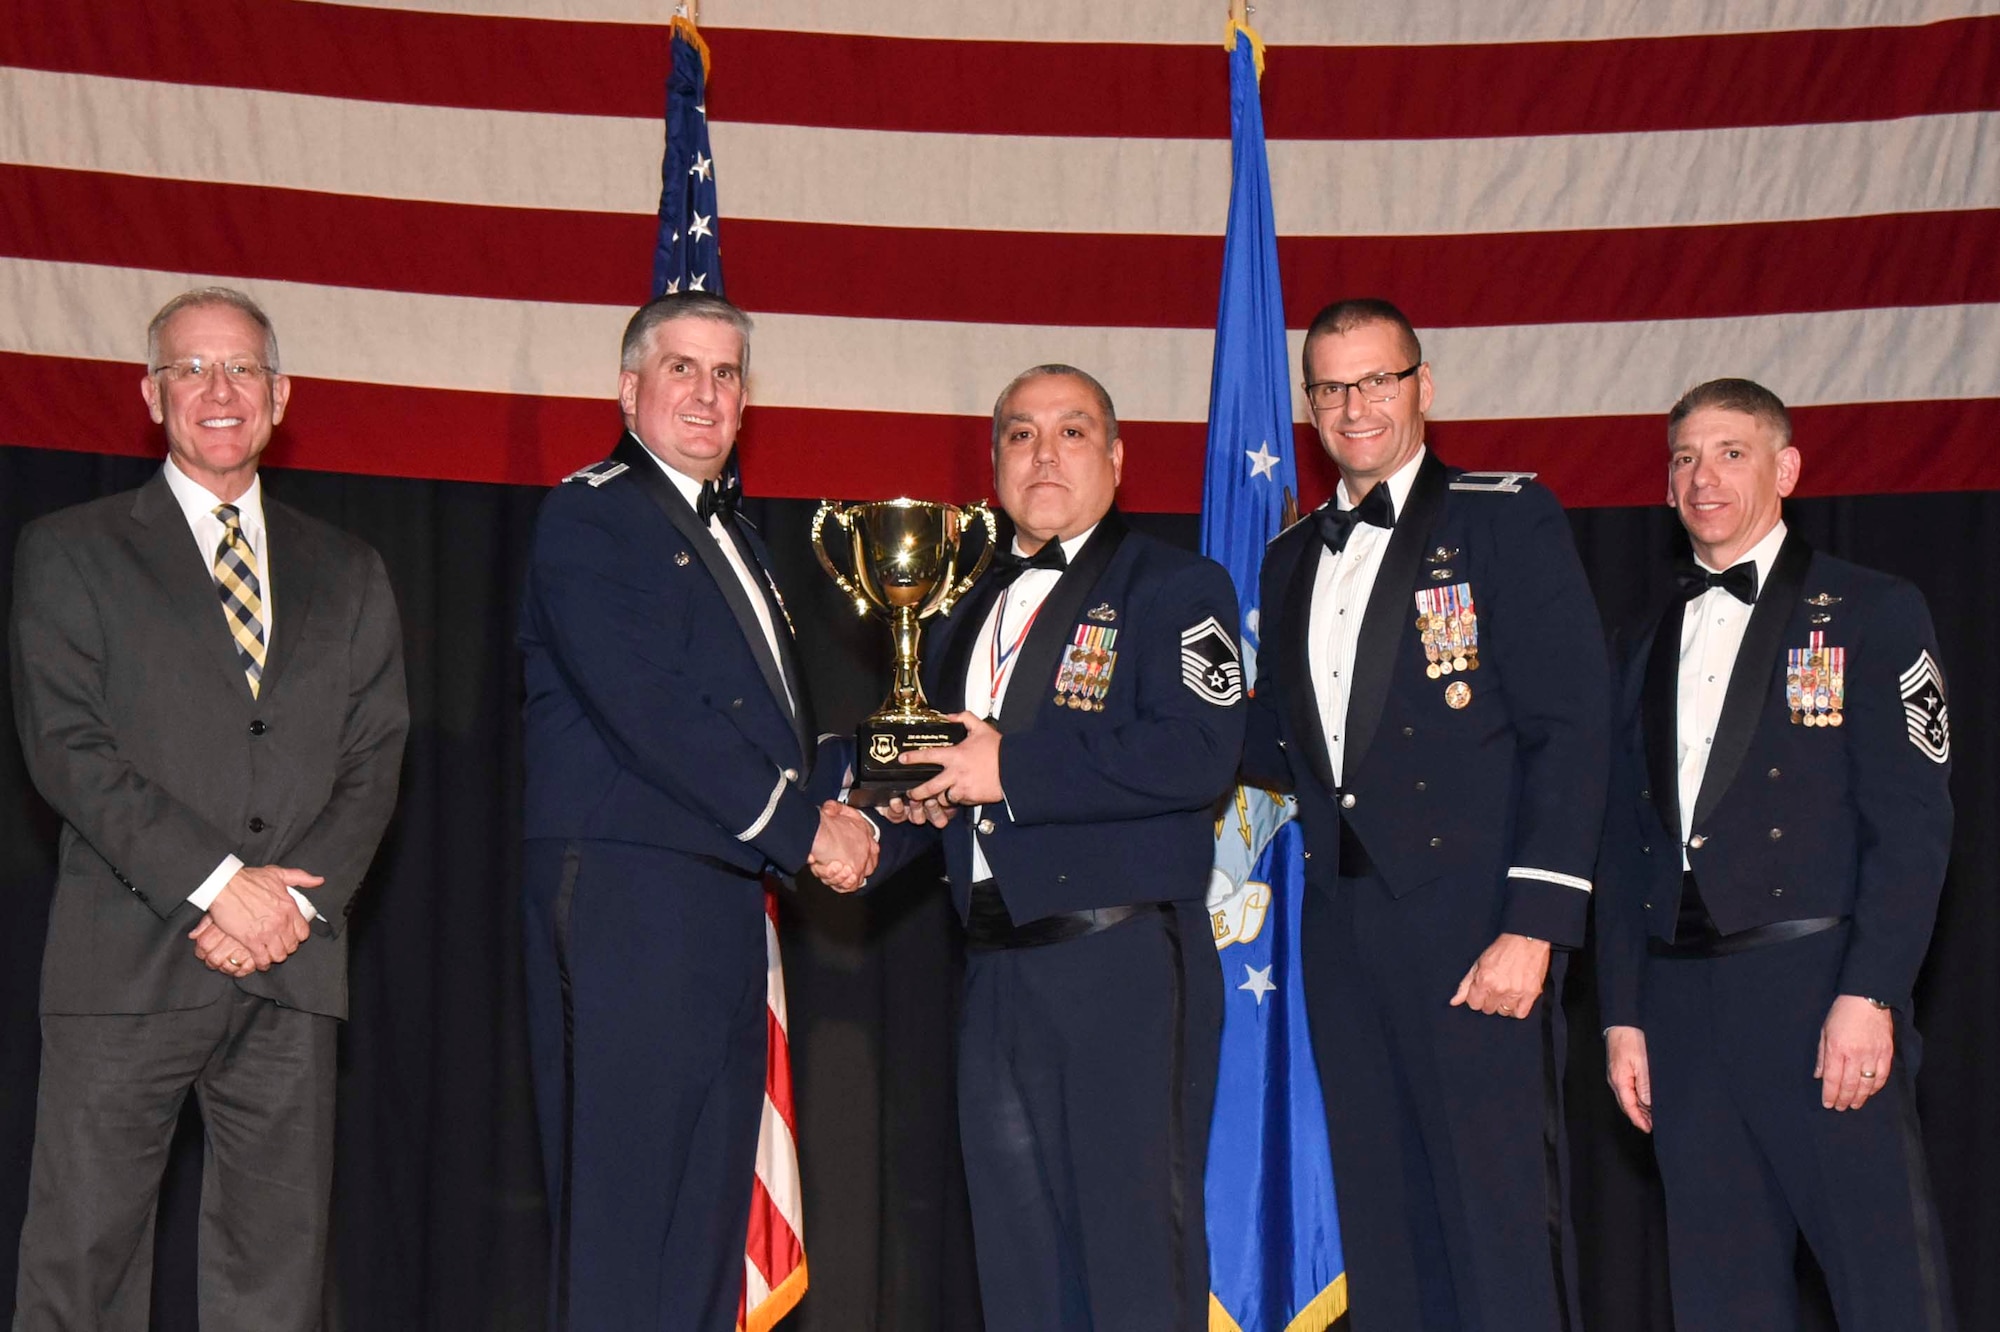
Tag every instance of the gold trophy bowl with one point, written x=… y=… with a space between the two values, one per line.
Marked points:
x=902 y=558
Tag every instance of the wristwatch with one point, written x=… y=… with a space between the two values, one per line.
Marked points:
x=1878 y=1003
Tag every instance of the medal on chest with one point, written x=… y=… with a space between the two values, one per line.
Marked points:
x=1816 y=682
x=1084 y=677
x=1448 y=627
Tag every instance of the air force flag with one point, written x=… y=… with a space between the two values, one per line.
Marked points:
x=1275 y=1261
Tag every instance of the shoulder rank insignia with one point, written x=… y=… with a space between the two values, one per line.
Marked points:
x=1084 y=677
x=1494 y=483
x=1210 y=665
x=597 y=473
x=1922 y=688
x=1816 y=683
x=1102 y=613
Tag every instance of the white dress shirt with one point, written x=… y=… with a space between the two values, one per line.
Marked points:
x=198 y=507
x=1712 y=630
x=753 y=586
x=1341 y=588
x=1004 y=634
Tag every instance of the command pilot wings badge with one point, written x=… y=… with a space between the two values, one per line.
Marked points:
x=1210 y=665
x=1924 y=708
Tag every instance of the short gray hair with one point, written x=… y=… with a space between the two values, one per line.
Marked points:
x=205 y=296
x=1343 y=317
x=663 y=310
x=1733 y=395
x=1089 y=381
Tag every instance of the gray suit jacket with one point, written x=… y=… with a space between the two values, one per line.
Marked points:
x=140 y=730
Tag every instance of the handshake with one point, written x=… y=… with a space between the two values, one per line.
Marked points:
x=846 y=851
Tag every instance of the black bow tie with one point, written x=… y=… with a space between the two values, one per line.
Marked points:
x=1739 y=581
x=719 y=498
x=1337 y=524
x=1007 y=566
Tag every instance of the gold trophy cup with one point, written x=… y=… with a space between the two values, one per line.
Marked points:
x=904 y=555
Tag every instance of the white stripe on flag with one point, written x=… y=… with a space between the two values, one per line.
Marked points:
x=1004 y=182
x=755 y=1288
x=1190 y=22
x=555 y=349
x=778 y=1167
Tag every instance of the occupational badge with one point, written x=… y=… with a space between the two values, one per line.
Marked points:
x=1448 y=624
x=1102 y=613
x=1084 y=677
x=1923 y=693
x=1210 y=665
x=1816 y=683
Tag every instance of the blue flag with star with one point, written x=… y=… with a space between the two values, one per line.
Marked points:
x=687 y=256
x=1275 y=1262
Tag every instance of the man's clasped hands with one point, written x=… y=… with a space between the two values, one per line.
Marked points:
x=254 y=923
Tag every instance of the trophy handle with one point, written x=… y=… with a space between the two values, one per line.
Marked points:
x=984 y=512
x=839 y=513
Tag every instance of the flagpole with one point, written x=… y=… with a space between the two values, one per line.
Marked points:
x=1239 y=11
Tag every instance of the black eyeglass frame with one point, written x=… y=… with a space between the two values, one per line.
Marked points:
x=1395 y=377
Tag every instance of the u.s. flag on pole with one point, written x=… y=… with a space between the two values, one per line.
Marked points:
x=774 y=1254
x=687 y=256
x=1274 y=1253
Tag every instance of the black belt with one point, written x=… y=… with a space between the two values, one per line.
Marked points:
x=1721 y=945
x=989 y=928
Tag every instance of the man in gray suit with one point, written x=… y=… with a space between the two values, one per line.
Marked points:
x=209 y=689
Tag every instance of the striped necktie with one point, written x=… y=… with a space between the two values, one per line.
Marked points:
x=242 y=595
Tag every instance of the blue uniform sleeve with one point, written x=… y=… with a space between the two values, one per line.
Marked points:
x=624 y=644
x=1548 y=645
x=1621 y=864
x=1899 y=761
x=1180 y=749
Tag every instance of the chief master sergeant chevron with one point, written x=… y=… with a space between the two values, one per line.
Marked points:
x=670 y=759
x=1433 y=688
x=1779 y=823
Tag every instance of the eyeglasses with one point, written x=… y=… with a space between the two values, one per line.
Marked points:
x=240 y=370
x=1328 y=394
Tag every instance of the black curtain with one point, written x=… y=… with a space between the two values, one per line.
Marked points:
x=439 y=1216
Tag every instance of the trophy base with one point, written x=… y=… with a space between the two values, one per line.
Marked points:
x=878 y=777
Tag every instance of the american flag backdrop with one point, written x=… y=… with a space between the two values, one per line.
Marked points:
x=1587 y=207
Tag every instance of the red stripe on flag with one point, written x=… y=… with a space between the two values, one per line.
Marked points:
x=778 y=1072
x=977 y=87
x=1081 y=279
x=772 y=1245
x=799 y=453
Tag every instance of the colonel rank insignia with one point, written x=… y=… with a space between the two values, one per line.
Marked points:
x=1922 y=688
x=1084 y=677
x=1209 y=663
x=1816 y=683
x=1449 y=627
